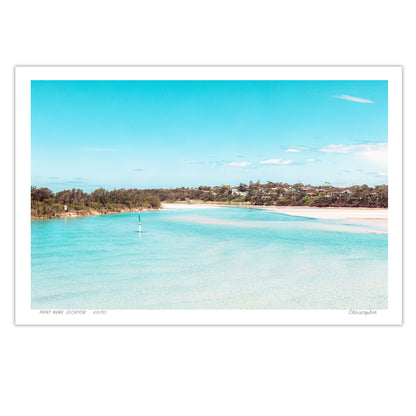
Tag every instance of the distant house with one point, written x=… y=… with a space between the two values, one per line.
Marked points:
x=235 y=191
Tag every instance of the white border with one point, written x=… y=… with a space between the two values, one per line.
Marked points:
x=25 y=315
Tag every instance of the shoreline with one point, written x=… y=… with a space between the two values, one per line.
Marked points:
x=92 y=214
x=333 y=213
x=362 y=216
x=371 y=217
x=301 y=211
x=367 y=217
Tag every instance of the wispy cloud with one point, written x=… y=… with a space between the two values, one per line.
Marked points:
x=350 y=148
x=310 y=160
x=138 y=170
x=371 y=152
x=276 y=162
x=294 y=149
x=238 y=164
x=338 y=148
x=355 y=99
x=381 y=174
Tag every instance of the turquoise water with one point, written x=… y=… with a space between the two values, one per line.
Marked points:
x=209 y=258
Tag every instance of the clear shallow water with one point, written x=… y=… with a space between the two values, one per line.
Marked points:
x=216 y=258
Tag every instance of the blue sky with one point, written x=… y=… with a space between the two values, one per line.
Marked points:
x=145 y=134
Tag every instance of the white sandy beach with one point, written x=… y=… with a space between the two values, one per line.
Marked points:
x=310 y=212
x=377 y=217
x=334 y=213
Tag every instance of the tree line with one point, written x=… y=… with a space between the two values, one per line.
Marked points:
x=282 y=194
x=47 y=204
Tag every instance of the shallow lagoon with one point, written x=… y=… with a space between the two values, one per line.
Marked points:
x=214 y=258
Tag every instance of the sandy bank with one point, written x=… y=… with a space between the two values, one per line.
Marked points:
x=333 y=213
x=310 y=212
x=371 y=217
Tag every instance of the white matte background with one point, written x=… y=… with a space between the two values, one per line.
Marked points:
x=206 y=370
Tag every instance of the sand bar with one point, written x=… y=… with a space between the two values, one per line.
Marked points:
x=334 y=213
x=329 y=213
x=372 y=217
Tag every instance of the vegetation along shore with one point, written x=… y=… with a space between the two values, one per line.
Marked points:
x=76 y=202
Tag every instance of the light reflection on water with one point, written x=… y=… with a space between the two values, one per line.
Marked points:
x=224 y=258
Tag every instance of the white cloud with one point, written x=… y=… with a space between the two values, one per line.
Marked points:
x=310 y=160
x=295 y=149
x=276 y=162
x=337 y=148
x=238 y=164
x=382 y=174
x=355 y=99
x=375 y=153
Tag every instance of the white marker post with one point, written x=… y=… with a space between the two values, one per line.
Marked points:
x=140 y=225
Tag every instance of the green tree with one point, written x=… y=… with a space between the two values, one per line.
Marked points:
x=153 y=201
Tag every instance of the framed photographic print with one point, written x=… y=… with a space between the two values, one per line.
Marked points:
x=208 y=195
